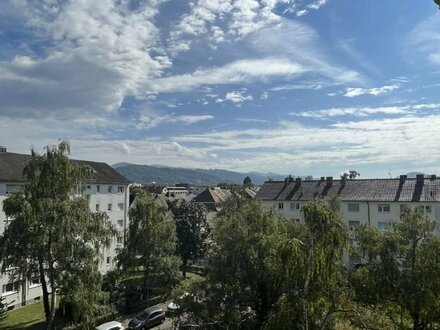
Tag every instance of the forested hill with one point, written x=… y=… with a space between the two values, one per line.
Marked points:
x=173 y=175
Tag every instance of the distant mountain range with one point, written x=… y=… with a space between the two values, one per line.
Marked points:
x=173 y=175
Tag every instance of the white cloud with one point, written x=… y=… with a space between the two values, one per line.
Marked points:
x=151 y=120
x=356 y=91
x=425 y=39
x=233 y=73
x=264 y=96
x=97 y=53
x=366 y=111
x=238 y=97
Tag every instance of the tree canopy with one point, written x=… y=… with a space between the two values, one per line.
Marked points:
x=53 y=235
x=401 y=269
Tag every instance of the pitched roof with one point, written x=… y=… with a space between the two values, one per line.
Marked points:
x=386 y=190
x=211 y=197
x=12 y=166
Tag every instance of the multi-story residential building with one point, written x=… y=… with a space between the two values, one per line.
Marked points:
x=106 y=191
x=376 y=202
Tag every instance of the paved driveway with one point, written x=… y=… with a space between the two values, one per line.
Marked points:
x=167 y=325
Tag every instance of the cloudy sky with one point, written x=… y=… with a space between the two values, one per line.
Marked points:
x=290 y=86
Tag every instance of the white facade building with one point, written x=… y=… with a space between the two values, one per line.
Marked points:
x=106 y=191
x=376 y=202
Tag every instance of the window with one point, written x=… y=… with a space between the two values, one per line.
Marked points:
x=11 y=287
x=89 y=187
x=120 y=189
x=294 y=206
x=383 y=208
x=109 y=207
x=119 y=240
x=98 y=188
x=108 y=260
x=97 y=207
x=296 y=220
x=13 y=188
x=280 y=206
x=34 y=282
x=353 y=224
x=428 y=209
x=110 y=189
x=88 y=197
x=120 y=206
x=382 y=225
x=353 y=207
x=120 y=223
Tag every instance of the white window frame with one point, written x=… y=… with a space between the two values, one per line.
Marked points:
x=381 y=208
x=356 y=205
x=120 y=206
x=280 y=206
x=120 y=189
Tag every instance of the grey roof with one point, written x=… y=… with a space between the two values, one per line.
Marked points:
x=386 y=190
x=12 y=166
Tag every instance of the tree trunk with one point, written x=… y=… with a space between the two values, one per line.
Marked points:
x=184 y=264
x=53 y=298
x=44 y=289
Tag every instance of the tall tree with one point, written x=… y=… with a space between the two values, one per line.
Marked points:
x=313 y=294
x=247 y=181
x=151 y=239
x=192 y=231
x=253 y=253
x=53 y=235
x=401 y=268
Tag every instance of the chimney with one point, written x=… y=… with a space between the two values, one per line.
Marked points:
x=420 y=179
x=329 y=180
x=433 y=177
x=298 y=181
x=403 y=178
x=3 y=150
x=322 y=178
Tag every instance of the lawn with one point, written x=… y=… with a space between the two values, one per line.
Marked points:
x=30 y=317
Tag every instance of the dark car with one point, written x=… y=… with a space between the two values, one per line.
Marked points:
x=148 y=318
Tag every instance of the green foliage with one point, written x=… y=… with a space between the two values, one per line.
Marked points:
x=53 y=235
x=151 y=240
x=402 y=269
x=192 y=231
x=247 y=181
x=268 y=272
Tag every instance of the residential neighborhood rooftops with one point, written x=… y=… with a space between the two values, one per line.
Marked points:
x=13 y=164
x=420 y=189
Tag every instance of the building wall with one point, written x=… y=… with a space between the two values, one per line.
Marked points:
x=117 y=215
x=369 y=213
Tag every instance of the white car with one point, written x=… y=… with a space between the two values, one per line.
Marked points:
x=113 y=325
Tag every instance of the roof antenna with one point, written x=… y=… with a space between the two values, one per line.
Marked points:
x=389 y=173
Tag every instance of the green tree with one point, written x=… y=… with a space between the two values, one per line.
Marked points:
x=247 y=181
x=314 y=291
x=192 y=231
x=253 y=255
x=402 y=269
x=53 y=235
x=151 y=240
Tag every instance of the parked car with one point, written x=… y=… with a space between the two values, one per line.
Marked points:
x=148 y=318
x=113 y=325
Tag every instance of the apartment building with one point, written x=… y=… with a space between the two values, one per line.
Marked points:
x=376 y=202
x=106 y=191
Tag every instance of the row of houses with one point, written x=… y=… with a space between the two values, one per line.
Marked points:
x=376 y=202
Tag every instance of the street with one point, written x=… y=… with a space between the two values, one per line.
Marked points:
x=167 y=325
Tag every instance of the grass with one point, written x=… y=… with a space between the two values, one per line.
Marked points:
x=30 y=317
x=27 y=318
x=185 y=284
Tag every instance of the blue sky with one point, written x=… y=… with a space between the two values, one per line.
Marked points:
x=289 y=86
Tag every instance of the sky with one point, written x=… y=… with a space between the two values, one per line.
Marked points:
x=306 y=87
